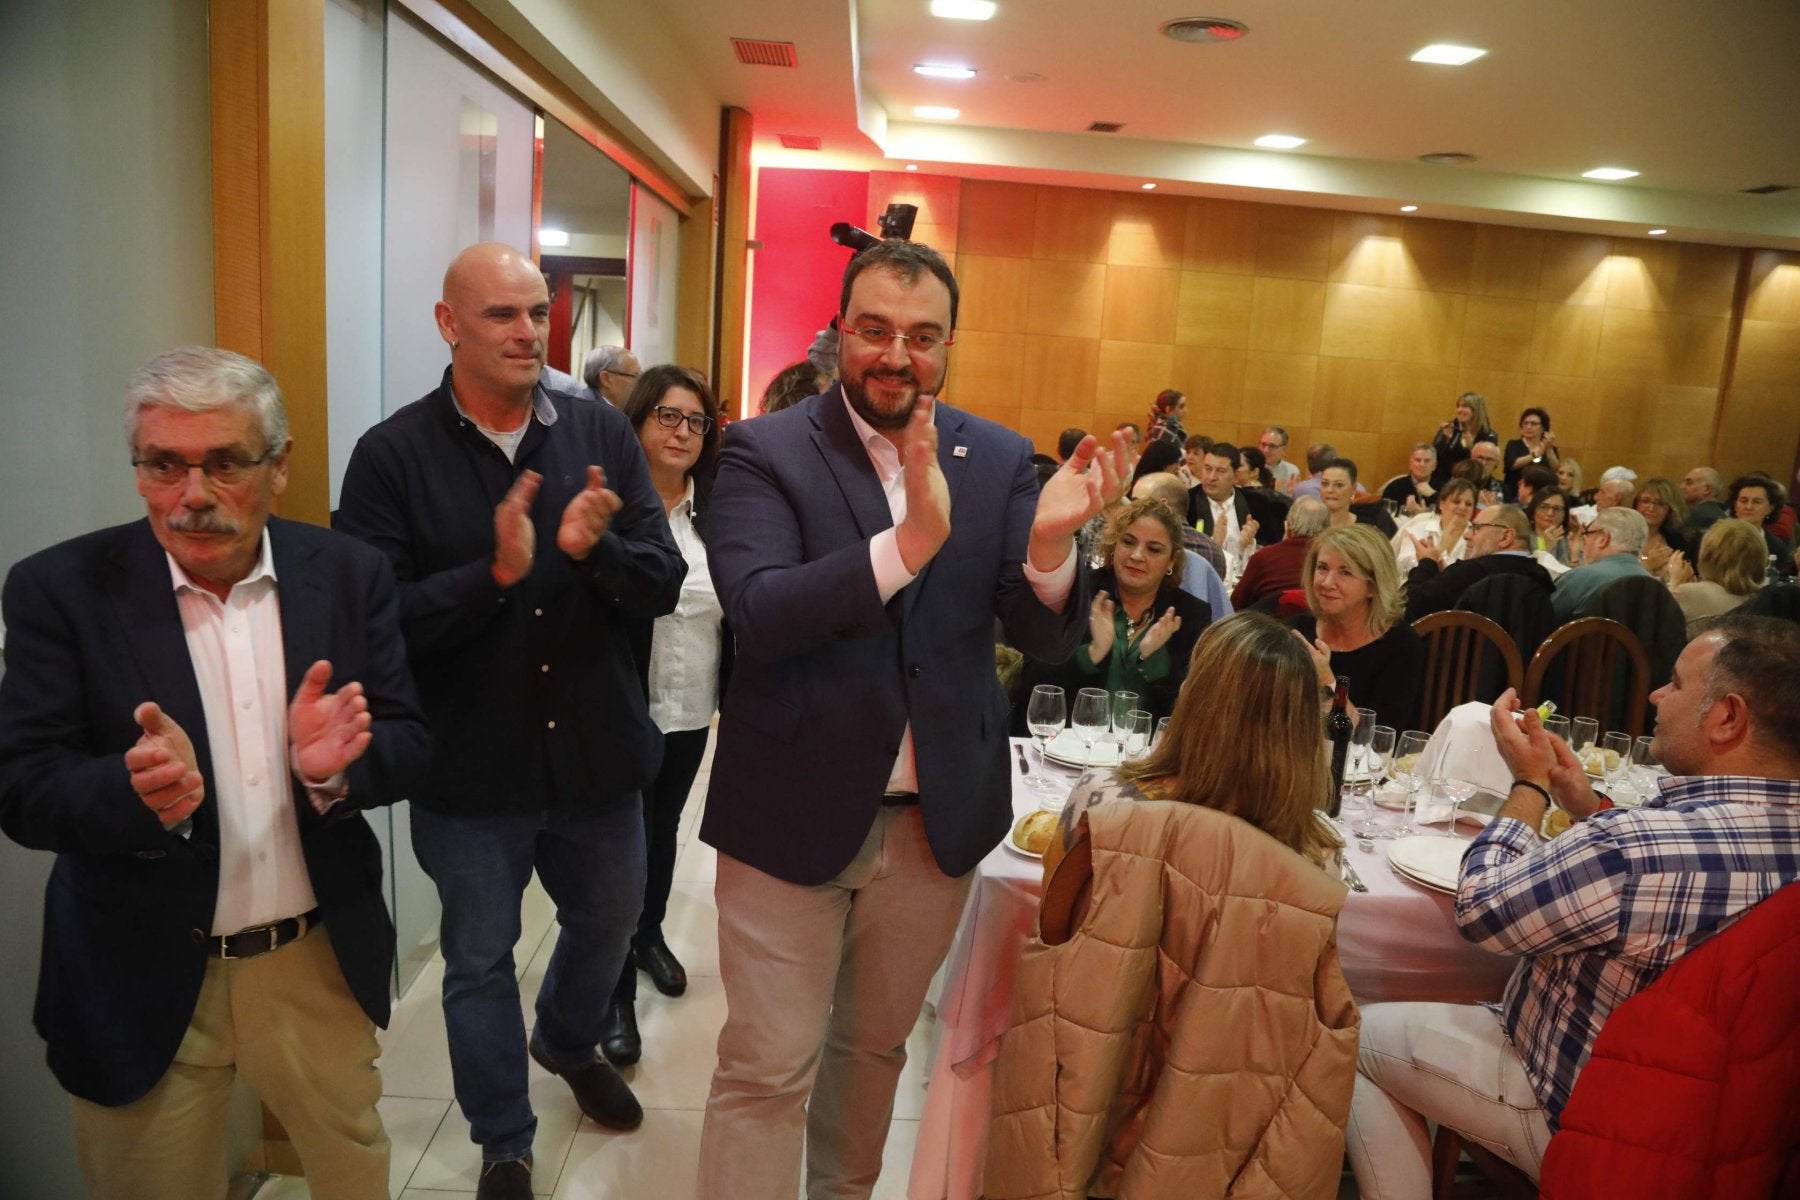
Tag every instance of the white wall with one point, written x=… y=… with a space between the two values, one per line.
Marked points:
x=655 y=255
x=105 y=197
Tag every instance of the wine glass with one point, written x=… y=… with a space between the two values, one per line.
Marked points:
x=1045 y=715
x=1381 y=753
x=1582 y=735
x=1137 y=733
x=1557 y=726
x=1162 y=727
x=1407 y=755
x=1456 y=791
x=1358 y=767
x=1646 y=766
x=1615 y=760
x=1123 y=703
x=1092 y=717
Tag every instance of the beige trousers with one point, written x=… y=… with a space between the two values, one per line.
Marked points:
x=822 y=982
x=286 y=1020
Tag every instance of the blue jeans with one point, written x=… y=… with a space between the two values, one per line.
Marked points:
x=592 y=864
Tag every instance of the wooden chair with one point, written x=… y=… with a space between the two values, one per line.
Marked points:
x=1580 y=665
x=1456 y=646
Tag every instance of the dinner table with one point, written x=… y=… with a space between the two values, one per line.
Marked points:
x=1397 y=940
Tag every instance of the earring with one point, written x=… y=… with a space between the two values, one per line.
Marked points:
x=1169 y=570
x=455 y=345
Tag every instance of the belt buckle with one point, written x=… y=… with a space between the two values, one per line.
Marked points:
x=266 y=931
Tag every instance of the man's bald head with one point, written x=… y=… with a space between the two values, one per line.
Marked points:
x=495 y=315
x=1160 y=485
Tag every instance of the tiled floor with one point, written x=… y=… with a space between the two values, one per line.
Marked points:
x=576 y=1159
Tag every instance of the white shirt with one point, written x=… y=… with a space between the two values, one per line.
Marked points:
x=1422 y=526
x=684 y=645
x=236 y=649
x=1226 y=532
x=1051 y=587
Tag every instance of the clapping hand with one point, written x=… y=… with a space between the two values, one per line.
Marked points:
x=515 y=538
x=927 y=524
x=328 y=730
x=1247 y=535
x=1159 y=633
x=164 y=770
x=1679 y=570
x=1087 y=481
x=1101 y=629
x=1426 y=548
x=1533 y=754
x=587 y=516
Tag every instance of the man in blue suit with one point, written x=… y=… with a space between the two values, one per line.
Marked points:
x=168 y=728
x=865 y=542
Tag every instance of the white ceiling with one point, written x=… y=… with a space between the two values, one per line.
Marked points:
x=1701 y=99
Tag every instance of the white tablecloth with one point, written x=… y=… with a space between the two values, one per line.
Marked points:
x=1397 y=941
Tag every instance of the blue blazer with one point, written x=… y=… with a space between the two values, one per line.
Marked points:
x=826 y=676
x=93 y=629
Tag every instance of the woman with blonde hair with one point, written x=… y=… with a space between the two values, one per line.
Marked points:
x=1355 y=597
x=1568 y=478
x=1458 y=435
x=1665 y=510
x=1260 y=757
x=1731 y=569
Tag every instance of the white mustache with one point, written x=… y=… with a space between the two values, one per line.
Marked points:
x=203 y=520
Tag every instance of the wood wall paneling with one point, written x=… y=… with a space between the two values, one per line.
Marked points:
x=1212 y=378
x=994 y=292
x=1060 y=374
x=1221 y=236
x=1213 y=309
x=1131 y=374
x=1147 y=231
x=1140 y=304
x=1293 y=243
x=1072 y=225
x=1286 y=315
x=1358 y=321
x=986 y=372
x=1065 y=299
x=1506 y=262
x=997 y=218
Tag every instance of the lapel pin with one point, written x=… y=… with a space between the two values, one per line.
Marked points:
x=960 y=452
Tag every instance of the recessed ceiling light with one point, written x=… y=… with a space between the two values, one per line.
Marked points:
x=1608 y=173
x=933 y=112
x=1280 y=141
x=943 y=71
x=1658 y=232
x=963 y=10
x=553 y=237
x=1148 y=187
x=1409 y=208
x=912 y=166
x=1447 y=55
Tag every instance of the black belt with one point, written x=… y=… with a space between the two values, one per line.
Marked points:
x=899 y=799
x=260 y=939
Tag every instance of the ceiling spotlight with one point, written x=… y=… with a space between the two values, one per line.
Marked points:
x=1280 y=141
x=553 y=237
x=942 y=71
x=1409 y=208
x=1446 y=55
x=963 y=10
x=912 y=166
x=933 y=112
x=1658 y=232
x=1148 y=187
x=1608 y=173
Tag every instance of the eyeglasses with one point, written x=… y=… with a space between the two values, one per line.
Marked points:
x=670 y=418
x=221 y=467
x=1273 y=445
x=1553 y=508
x=916 y=343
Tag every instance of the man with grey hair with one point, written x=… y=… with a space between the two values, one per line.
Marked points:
x=1618 y=486
x=195 y=710
x=1274 y=445
x=1275 y=569
x=1499 y=543
x=611 y=371
x=1704 y=491
x=1610 y=548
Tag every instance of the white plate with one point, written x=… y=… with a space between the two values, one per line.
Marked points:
x=1067 y=749
x=1018 y=849
x=1431 y=861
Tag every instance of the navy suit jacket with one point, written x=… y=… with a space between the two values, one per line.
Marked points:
x=93 y=629
x=826 y=676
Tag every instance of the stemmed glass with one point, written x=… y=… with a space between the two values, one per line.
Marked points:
x=1407 y=754
x=1646 y=766
x=1380 y=754
x=1045 y=714
x=1455 y=791
x=1582 y=736
x=1162 y=727
x=1123 y=704
x=1613 y=770
x=1137 y=733
x=1557 y=726
x=1359 y=767
x=1092 y=717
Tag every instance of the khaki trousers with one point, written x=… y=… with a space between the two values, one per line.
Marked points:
x=286 y=1020
x=822 y=982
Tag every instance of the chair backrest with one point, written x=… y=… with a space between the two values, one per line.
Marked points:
x=1592 y=667
x=1643 y=605
x=1459 y=646
x=1782 y=600
x=1516 y=602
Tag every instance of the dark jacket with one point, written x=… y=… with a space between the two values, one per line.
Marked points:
x=1433 y=588
x=531 y=691
x=92 y=630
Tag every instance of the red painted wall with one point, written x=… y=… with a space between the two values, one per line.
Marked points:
x=799 y=268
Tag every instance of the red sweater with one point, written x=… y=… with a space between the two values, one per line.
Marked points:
x=1693 y=1089
x=1271 y=569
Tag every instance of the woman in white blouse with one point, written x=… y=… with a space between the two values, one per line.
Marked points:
x=1445 y=526
x=682 y=660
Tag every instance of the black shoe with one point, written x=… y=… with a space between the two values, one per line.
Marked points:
x=508 y=1180
x=601 y=1094
x=654 y=959
x=619 y=1039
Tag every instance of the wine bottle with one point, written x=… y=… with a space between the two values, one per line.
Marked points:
x=1337 y=729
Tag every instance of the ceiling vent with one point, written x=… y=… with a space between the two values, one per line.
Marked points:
x=1106 y=127
x=754 y=53
x=1447 y=158
x=1204 y=29
x=794 y=141
x=1768 y=189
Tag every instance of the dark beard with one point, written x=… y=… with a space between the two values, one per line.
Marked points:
x=864 y=408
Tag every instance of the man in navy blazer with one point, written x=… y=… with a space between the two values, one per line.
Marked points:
x=167 y=729
x=864 y=542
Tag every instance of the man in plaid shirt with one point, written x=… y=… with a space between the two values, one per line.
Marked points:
x=1595 y=915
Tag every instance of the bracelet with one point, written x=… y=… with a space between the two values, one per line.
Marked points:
x=1539 y=788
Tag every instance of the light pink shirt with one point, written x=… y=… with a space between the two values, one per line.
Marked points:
x=236 y=649
x=1051 y=587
